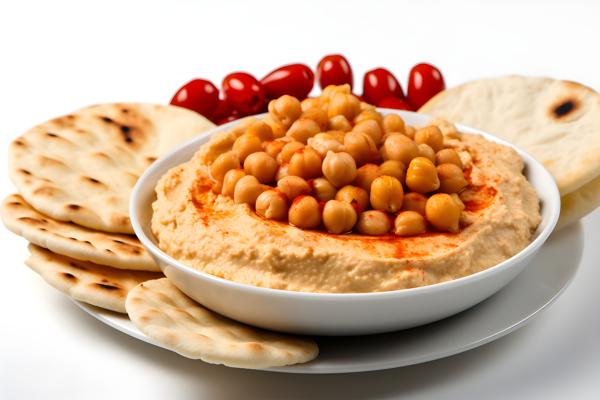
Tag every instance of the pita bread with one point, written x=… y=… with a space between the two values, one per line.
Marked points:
x=580 y=203
x=110 y=249
x=94 y=284
x=81 y=167
x=558 y=122
x=178 y=323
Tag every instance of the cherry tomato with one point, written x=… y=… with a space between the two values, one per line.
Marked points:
x=223 y=110
x=294 y=79
x=334 y=69
x=198 y=95
x=244 y=93
x=394 y=102
x=378 y=84
x=227 y=119
x=424 y=82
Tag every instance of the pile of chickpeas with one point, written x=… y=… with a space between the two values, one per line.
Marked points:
x=335 y=162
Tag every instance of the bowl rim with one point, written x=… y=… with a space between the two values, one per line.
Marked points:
x=532 y=247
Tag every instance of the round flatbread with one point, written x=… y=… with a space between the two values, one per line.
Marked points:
x=82 y=167
x=558 y=122
x=94 y=284
x=178 y=323
x=71 y=240
x=579 y=203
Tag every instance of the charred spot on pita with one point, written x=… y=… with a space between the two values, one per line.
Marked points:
x=564 y=108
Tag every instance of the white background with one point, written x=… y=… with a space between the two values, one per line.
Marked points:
x=57 y=56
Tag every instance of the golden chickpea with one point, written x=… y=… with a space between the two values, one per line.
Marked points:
x=286 y=109
x=339 y=123
x=331 y=91
x=426 y=151
x=260 y=129
x=371 y=128
x=393 y=123
x=393 y=168
x=365 y=175
x=355 y=196
x=230 y=179
x=223 y=163
x=414 y=201
x=217 y=186
x=360 y=146
x=448 y=129
x=448 y=156
x=310 y=102
x=323 y=189
x=452 y=179
x=400 y=148
x=273 y=147
x=324 y=143
x=421 y=176
x=432 y=136
x=318 y=115
x=305 y=213
x=373 y=222
x=282 y=171
x=458 y=201
x=337 y=135
x=386 y=194
x=338 y=216
x=293 y=186
x=367 y=107
x=344 y=104
x=409 y=223
x=246 y=145
x=276 y=126
x=262 y=166
x=288 y=150
x=272 y=204
x=247 y=189
x=443 y=212
x=339 y=168
x=410 y=131
x=305 y=163
x=303 y=129
x=367 y=115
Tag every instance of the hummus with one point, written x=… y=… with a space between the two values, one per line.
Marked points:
x=213 y=234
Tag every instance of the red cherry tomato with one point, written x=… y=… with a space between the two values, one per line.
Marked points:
x=424 y=82
x=223 y=110
x=394 y=102
x=334 y=69
x=227 y=119
x=198 y=95
x=378 y=84
x=294 y=79
x=244 y=93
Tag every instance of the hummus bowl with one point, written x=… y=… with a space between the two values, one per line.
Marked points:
x=339 y=313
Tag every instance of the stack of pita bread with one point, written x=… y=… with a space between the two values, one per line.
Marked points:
x=74 y=175
x=558 y=122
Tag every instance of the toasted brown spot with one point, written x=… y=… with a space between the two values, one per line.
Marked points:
x=14 y=204
x=69 y=276
x=77 y=266
x=74 y=207
x=124 y=110
x=108 y=120
x=107 y=287
x=29 y=220
x=19 y=142
x=151 y=159
x=24 y=171
x=43 y=229
x=118 y=241
x=92 y=180
x=126 y=132
x=45 y=191
x=88 y=243
x=72 y=238
x=564 y=108
x=109 y=251
x=50 y=134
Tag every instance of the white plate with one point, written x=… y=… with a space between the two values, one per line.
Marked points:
x=525 y=297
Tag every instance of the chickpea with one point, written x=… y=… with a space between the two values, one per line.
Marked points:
x=432 y=136
x=273 y=147
x=371 y=128
x=288 y=150
x=448 y=129
x=282 y=171
x=458 y=201
x=344 y=104
x=426 y=151
x=260 y=129
x=323 y=189
x=421 y=176
x=360 y=146
x=293 y=186
x=230 y=179
x=366 y=115
x=286 y=109
x=305 y=163
x=337 y=135
x=246 y=145
x=262 y=166
x=339 y=123
x=318 y=115
x=365 y=175
x=304 y=213
x=338 y=216
x=443 y=212
x=272 y=204
x=332 y=90
x=393 y=168
x=448 y=156
x=247 y=189
x=387 y=194
x=410 y=131
x=223 y=163
x=355 y=196
x=400 y=148
x=324 y=142
x=393 y=123
x=310 y=102
x=217 y=186
x=276 y=126
x=339 y=168
x=409 y=223
x=414 y=201
x=303 y=129
x=373 y=222
x=452 y=179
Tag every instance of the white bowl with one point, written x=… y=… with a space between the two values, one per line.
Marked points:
x=338 y=313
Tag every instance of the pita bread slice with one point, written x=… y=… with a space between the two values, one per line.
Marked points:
x=94 y=284
x=579 y=203
x=558 y=122
x=110 y=249
x=82 y=167
x=178 y=323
